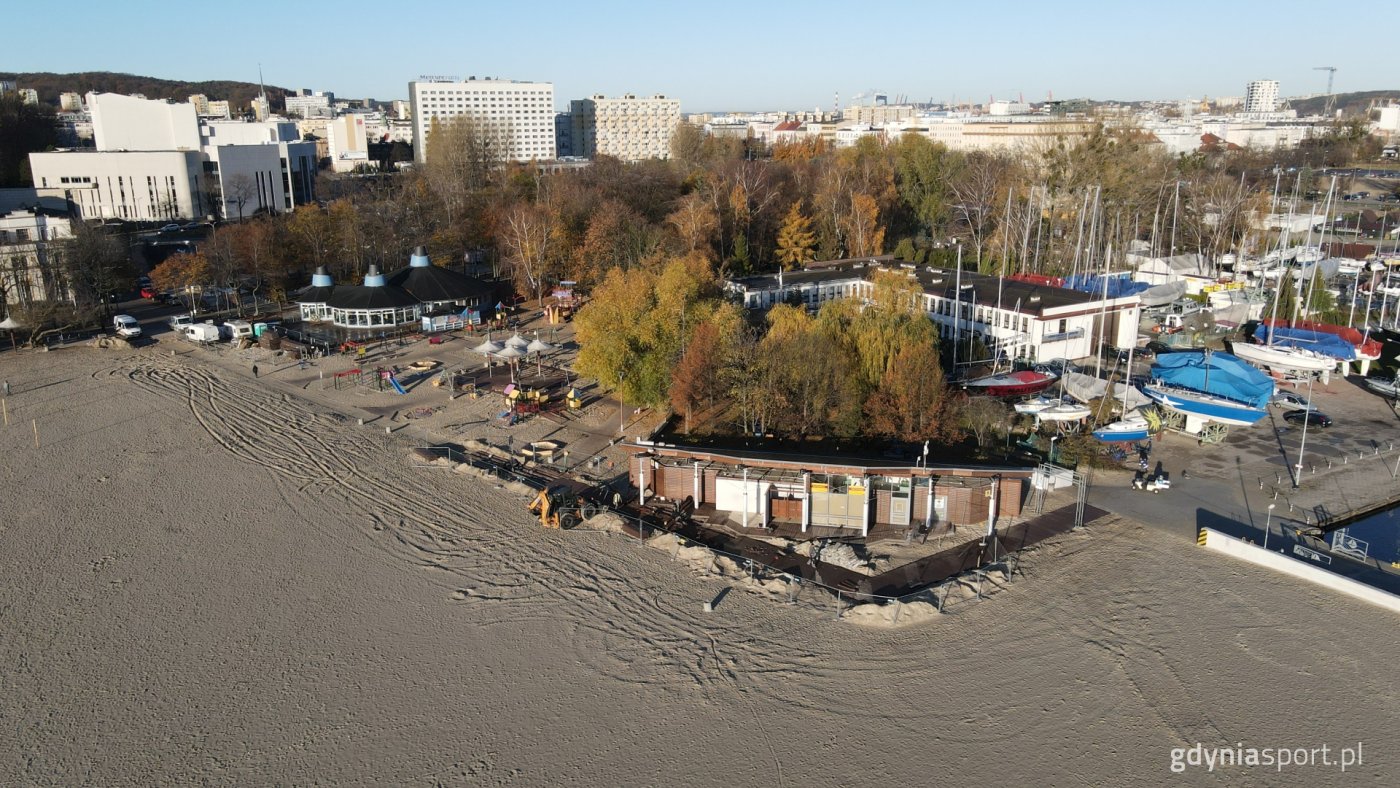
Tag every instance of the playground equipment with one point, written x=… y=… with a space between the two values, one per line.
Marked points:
x=394 y=381
x=574 y=400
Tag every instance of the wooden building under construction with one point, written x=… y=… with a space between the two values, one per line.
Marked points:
x=762 y=489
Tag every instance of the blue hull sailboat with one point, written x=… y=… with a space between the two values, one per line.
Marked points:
x=1211 y=386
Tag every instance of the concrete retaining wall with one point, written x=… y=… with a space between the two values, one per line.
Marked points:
x=1279 y=562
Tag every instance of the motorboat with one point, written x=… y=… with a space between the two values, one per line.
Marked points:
x=1386 y=388
x=1133 y=427
x=1011 y=384
x=1035 y=405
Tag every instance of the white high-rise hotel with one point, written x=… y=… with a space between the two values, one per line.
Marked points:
x=1261 y=95
x=524 y=111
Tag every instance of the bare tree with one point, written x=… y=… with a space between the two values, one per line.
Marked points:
x=240 y=190
x=526 y=238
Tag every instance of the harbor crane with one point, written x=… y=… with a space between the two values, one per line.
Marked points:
x=1331 y=73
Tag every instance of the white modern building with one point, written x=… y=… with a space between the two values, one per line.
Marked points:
x=1261 y=95
x=347 y=143
x=70 y=102
x=156 y=161
x=521 y=112
x=145 y=186
x=1035 y=322
x=629 y=127
x=310 y=104
x=123 y=123
x=259 y=166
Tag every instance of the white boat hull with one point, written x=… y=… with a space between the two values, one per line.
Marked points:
x=1284 y=358
x=1064 y=412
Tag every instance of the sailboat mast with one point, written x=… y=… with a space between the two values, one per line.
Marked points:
x=957 y=309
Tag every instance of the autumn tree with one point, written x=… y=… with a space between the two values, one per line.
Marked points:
x=912 y=402
x=796 y=241
x=183 y=273
x=698 y=378
x=984 y=417
x=695 y=223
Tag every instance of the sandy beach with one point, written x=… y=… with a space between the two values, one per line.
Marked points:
x=210 y=579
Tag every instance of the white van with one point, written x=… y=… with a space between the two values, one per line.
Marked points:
x=178 y=322
x=126 y=326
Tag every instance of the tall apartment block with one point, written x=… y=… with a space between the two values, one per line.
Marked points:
x=1261 y=95
x=521 y=111
x=629 y=128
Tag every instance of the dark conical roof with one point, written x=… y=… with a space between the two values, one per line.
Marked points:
x=320 y=290
x=375 y=293
x=431 y=284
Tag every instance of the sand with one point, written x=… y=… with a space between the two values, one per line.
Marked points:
x=208 y=579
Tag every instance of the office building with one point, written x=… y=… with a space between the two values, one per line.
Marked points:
x=70 y=102
x=629 y=128
x=157 y=161
x=520 y=113
x=347 y=143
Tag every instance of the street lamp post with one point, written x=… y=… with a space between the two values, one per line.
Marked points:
x=1267 y=520
x=621 y=410
x=1302 y=442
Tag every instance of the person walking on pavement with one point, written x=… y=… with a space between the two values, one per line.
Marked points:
x=255 y=370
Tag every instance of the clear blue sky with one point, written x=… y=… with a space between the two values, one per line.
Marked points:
x=724 y=54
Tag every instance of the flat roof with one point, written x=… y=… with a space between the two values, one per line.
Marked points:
x=825 y=463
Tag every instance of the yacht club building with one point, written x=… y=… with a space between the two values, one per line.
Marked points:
x=1024 y=320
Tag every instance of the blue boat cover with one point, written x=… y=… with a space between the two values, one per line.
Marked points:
x=1329 y=344
x=1118 y=286
x=1220 y=374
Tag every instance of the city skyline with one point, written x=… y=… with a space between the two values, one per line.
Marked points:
x=729 y=57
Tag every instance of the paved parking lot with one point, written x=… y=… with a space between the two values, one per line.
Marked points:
x=1348 y=467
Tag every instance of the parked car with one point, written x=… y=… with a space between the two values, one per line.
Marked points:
x=1312 y=418
x=149 y=292
x=178 y=322
x=170 y=228
x=1290 y=401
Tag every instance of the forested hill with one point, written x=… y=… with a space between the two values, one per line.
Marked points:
x=1350 y=104
x=50 y=85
